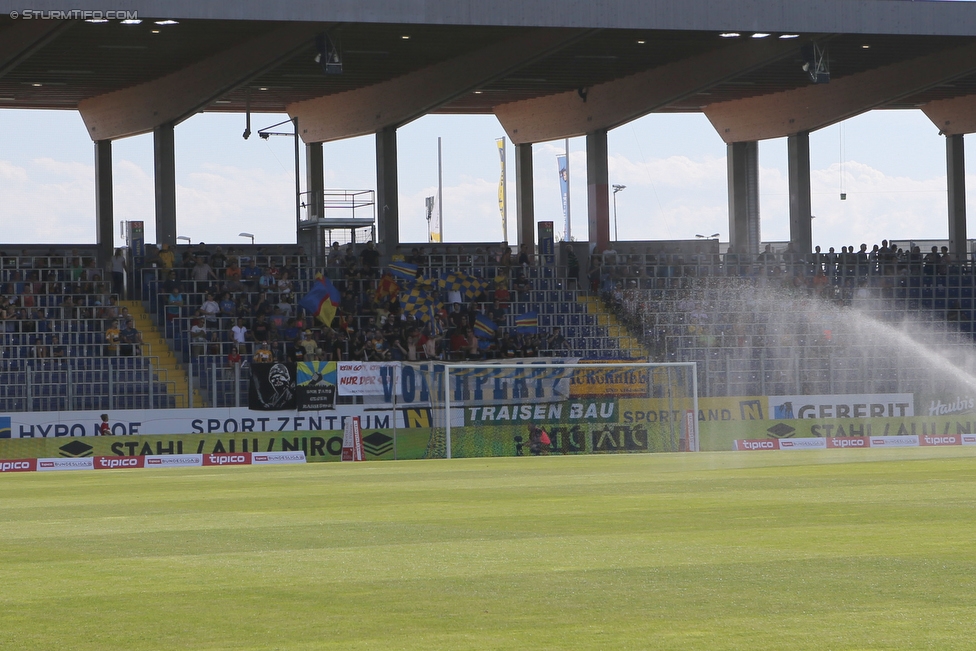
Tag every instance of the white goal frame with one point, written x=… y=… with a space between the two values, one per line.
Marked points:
x=691 y=366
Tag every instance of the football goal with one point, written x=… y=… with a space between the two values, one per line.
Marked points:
x=547 y=407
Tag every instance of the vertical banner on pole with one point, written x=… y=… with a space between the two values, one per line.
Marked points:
x=547 y=246
x=562 y=162
x=440 y=194
x=691 y=431
x=502 y=208
x=352 y=440
x=135 y=236
x=434 y=219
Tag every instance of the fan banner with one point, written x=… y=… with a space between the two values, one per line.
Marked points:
x=316 y=385
x=272 y=387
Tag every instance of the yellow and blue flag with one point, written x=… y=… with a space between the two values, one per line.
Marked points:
x=471 y=287
x=527 y=324
x=484 y=327
x=450 y=281
x=322 y=300
x=418 y=302
x=404 y=270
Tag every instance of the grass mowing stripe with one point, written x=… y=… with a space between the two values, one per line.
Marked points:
x=710 y=551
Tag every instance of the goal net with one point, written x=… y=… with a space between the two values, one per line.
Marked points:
x=500 y=409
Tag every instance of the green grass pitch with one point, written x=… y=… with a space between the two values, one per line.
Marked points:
x=805 y=550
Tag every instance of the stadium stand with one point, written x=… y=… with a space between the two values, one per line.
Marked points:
x=774 y=324
x=780 y=325
x=199 y=319
x=54 y=354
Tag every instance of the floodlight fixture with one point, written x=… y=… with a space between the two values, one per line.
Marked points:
x=815 y=63
x=328 y=55
x=616 y=189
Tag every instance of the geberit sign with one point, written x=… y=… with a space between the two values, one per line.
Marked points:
x=881 y=405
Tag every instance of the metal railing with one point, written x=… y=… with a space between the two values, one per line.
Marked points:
x=68 y=384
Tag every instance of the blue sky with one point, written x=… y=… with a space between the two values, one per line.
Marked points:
x=891 y=165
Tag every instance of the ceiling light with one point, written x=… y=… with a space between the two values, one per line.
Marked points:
x=729 y=35
x=222 y=101
x=786 y=36
x=641 y=42
x=37 y=84
x=263 y=88
x=405 y=37
x=865 y=47
x=167 y=22
x=97 y=21
x=760 y=35
x=132 y=21
x=155 y=31
x=477 y=92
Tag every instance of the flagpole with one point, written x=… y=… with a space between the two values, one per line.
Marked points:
x=395 y=378
x=440 y=191
x=568 y=212
x=504 y=192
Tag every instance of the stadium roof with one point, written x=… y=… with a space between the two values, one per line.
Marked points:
x=261 y=55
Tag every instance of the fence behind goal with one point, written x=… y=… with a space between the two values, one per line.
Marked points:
x=489 y=409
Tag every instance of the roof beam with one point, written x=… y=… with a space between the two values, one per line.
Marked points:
x=953 y=117
x=177 y=96
x=819 y=105
x=22 y=38
x=611 y=104
x=398 y=101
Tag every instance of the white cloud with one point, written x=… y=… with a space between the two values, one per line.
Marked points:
x=470 y=213
x=670 y=193
x=47 y=201
x=877 y=206
x=216 y=202
x=11 y=173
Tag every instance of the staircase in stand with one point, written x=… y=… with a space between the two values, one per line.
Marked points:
x=166 y=367
x=628 y=345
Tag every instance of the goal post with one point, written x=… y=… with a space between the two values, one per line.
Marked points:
x=596 y=407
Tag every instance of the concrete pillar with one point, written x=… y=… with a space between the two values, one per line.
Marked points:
x=956 y=175
x=524 y=196
x=312 y=238
x=743 y=166
x=315 y=180
x=801 y=226
x=104 y=205
x=598 y=190
x=164 y=159
x=387 y=206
